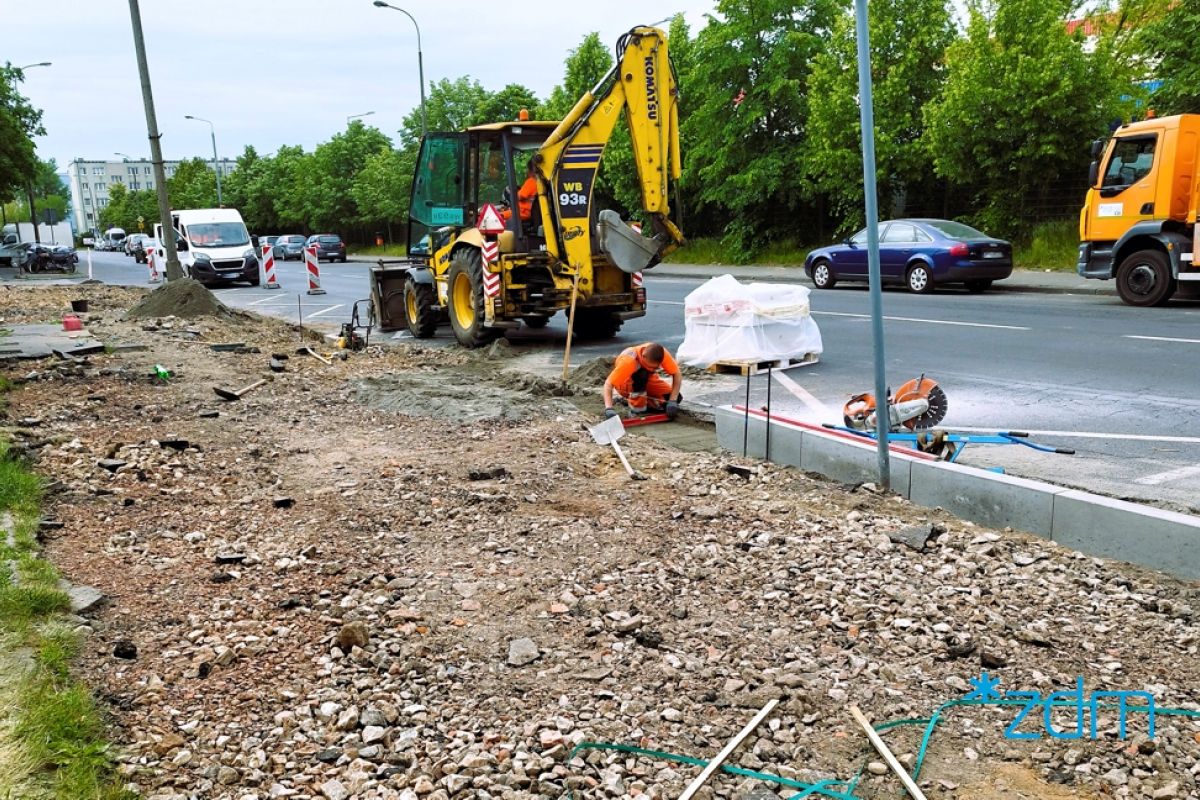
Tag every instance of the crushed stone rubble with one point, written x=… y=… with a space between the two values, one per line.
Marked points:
x=445 y=608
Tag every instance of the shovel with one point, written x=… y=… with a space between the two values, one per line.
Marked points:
x=230 y=394
x=608 y=432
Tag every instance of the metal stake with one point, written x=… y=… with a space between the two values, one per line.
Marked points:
x=767 y=452
x=746 y=419
x=300 y=316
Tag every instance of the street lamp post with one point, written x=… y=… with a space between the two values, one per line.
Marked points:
x=358 y=116
x=216 y=164
x=420 y=64
x=37 y=238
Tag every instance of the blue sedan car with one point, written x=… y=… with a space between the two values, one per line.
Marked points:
x=918 y=253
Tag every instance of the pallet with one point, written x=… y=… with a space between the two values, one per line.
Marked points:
x=747 y=368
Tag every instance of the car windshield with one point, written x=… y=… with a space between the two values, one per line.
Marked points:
x=218 y=234
x=956 y=230
x=328 y=239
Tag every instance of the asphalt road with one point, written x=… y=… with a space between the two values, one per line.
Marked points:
x=1119 y=385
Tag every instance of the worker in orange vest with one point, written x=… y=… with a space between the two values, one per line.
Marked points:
x=526 y=196
x=635 y=377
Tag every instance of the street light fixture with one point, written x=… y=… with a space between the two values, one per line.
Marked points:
x=31 y=66
x=216 y=164
x=420 y=64
x=124 y=156
x=357 y=116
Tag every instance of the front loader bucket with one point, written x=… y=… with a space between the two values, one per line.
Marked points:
x=627 y=248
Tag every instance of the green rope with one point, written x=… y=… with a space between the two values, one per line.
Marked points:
x=807 y=789
x=824 y=787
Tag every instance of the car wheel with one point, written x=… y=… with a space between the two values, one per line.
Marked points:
x=1144 y=279
x=920 y=279
x=822 y=275
x=975 y=287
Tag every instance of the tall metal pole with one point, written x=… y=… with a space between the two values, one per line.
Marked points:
x=33 y=215
x=174 y=270
x=420 y=61
x=217 y=167
x=867 y=116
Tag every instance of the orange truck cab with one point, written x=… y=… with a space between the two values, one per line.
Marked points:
x=1138 y=224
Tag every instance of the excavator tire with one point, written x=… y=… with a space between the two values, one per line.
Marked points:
x=465 y=299
x=420 y=309
x=596 y=323
x=535 y=321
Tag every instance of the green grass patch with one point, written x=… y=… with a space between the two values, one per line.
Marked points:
x=1051 y=245
x=782 y=253
x=386 y=251
x=52 y=741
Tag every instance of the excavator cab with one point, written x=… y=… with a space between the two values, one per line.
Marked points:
x=459 y=173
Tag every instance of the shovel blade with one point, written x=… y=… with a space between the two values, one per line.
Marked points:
x=608 y=431
x=226 y=394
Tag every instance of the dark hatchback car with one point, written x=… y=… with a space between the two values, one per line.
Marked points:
x=918 y=253
x=288 y=247
x=329 y=245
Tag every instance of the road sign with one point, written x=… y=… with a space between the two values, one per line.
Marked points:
x=490 y=223
x=141 y=223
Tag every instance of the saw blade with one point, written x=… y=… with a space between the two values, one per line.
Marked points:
x=927 y=389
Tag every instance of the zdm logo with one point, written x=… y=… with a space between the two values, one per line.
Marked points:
x=1086 y=707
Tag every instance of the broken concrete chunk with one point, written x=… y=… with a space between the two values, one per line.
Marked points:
x=915 y=537
x=522 y=652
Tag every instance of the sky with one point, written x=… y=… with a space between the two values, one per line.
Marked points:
x=283 y=72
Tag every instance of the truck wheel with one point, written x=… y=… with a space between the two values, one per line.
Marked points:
x=465 y=295
x=536 y=321
x=596 y=323
x=1144 y=279
x=420 y=308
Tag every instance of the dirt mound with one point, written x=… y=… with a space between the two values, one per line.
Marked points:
x=461 y=397
x=593 y=372
x=185 y=298
x=534 y=384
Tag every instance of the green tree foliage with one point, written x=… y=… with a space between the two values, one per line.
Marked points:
x=248 y=188
x=19 y=123
x=506 y=104
x=908 y=43
x=194 y=185
x=327 y=177
x=747 y=162
x=382 y=187
x=451 y=106
x=1020 y=103
x=1167 y=46
x=124 y=207
x=585 y=66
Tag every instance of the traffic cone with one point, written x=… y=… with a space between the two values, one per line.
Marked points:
x=152 y=262
x=268 y=259
x=314 y=270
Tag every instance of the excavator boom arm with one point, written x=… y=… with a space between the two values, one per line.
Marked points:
x=642 y=86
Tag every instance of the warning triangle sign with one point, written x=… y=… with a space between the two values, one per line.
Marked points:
x=490 y=221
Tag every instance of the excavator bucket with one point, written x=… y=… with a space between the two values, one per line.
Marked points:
x=627 y=248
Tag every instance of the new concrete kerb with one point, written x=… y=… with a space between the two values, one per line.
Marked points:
x=1092 y=524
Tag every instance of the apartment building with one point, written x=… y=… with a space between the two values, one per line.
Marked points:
x=92 y=180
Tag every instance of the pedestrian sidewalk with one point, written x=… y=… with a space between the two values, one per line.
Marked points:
x=1022 y=280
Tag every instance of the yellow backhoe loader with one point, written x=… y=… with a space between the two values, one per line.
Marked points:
x=486 y=272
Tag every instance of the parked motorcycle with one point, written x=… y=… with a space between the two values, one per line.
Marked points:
x=51 y=258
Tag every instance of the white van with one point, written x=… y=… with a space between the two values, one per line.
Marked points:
x=114 y=239
x=214 y=245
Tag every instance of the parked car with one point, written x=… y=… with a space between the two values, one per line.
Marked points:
x=329 y=245
x=133 y=243
x=918 y=253
x=288 y=246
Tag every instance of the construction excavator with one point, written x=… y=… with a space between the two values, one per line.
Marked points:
x=484 y=269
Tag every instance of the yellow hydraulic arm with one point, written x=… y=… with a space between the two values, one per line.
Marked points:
x=642 y=84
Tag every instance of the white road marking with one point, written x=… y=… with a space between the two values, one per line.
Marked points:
x=1163 y=339
x=665 y=302
x=930 y=321
x=325 y=310
x=1170 y=475
x=823 y=411
x=268 y=298
x=1130 y=437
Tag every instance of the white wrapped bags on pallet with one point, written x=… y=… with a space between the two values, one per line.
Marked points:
x=729 y=321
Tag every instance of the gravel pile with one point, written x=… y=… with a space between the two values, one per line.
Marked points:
x=329 y=600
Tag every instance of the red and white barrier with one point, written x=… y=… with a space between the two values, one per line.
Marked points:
x=152 y=263
x=313 y=264
x=268 y=260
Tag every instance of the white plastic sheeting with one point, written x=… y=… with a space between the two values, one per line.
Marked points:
x=730 y=321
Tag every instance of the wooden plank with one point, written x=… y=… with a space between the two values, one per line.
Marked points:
x=880 y=746
x=744 y=368
x=716 y=763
